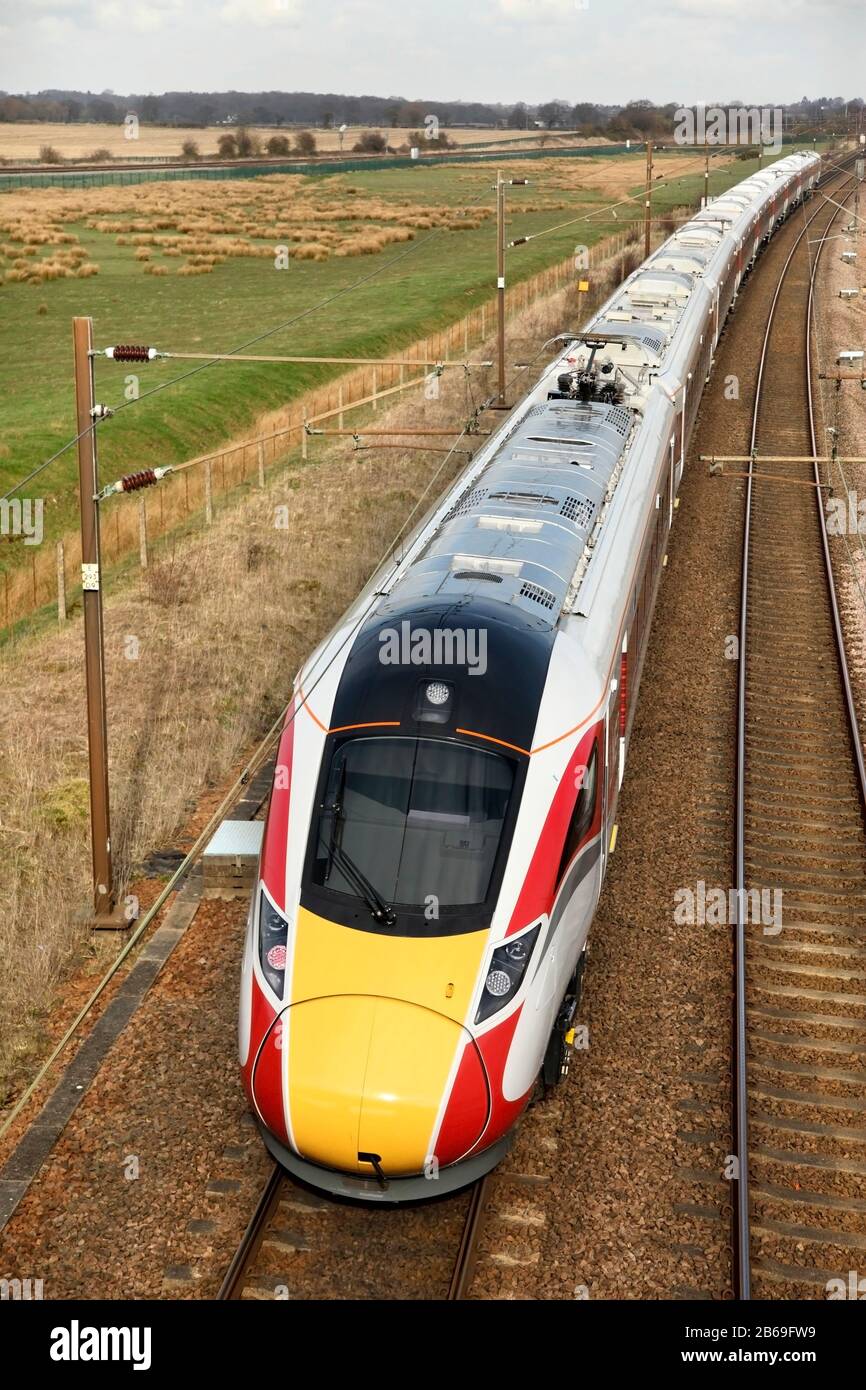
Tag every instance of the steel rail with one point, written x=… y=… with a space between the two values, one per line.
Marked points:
x=232 y=1286
x=467 y=1255
x=853 y=722
x=742 y=1236
x=233 y=1282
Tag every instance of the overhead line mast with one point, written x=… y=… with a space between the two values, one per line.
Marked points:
x=87 y=413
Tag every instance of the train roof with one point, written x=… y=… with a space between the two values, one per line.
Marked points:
x=637 y=325
x=518 y=539
x=517 y=533
x=482 y=636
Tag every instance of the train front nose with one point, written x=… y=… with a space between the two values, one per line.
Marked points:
x=368 y=1075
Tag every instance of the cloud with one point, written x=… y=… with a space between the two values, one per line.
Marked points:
x=58 y=9
x=538 y=9
x=262 y=13
x=52 y=27
x=60 y=18
x=760 y=11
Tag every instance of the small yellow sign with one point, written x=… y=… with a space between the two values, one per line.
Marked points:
x=583 y=285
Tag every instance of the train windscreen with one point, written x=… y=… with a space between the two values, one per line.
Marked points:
x=417 y=819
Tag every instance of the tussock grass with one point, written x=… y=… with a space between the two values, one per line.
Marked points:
x=310 y=251
x=224 y=218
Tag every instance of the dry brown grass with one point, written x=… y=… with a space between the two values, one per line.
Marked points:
x=227 y=217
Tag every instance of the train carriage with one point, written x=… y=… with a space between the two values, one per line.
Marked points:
x=446 y=786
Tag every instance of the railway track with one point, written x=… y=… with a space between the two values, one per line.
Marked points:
x=486 y=1242
x=300 y=1244
x=800 y=958
x=803 y=1189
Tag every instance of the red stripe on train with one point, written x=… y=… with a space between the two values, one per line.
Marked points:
x=539 y=886
x=275 y=844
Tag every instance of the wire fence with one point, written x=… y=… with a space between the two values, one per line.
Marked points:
x=255 y=168
x=149 y=169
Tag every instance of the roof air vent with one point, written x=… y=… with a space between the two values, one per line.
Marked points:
x=537 y=593
x=478 y=574
x=579 y=510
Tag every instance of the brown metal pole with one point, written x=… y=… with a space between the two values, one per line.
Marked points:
x=648 y=203
x=500 y=284
x=94 y=656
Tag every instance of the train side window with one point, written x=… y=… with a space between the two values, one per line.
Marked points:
x=583 y=814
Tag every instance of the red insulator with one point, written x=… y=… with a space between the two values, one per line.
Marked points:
x=130 y=352
x=133 y=481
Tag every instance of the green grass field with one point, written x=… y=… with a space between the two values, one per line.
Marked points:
x=441 y=278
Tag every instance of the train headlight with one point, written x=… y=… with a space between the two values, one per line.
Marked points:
x=434 y=701
x=498 y=983
x=438 y=693
x=273 y=936
x=507 y=968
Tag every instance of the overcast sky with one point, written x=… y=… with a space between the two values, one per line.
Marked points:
x=770 y=51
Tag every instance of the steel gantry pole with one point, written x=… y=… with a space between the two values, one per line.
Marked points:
x=500 y=187
x=94 y=654
x=500 y=288
x=647 y=221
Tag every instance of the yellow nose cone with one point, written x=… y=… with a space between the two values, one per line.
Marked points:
x=368 y=1075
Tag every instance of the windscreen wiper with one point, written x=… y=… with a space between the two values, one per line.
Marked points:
x=336 y=810
x=379 y=909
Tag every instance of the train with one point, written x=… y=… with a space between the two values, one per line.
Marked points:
x=444 y=802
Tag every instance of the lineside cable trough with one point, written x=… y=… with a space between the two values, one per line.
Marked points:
x=230 y=859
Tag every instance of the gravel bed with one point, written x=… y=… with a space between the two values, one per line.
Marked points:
x=108 y=1214
x=629 y=1152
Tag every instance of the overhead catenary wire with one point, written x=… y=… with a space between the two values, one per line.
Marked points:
x=597 y=212
x=286 y=717
x=324 y=303
x=835 y=458
x=40 y=467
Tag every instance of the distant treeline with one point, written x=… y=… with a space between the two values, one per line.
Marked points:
x=637 y=119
